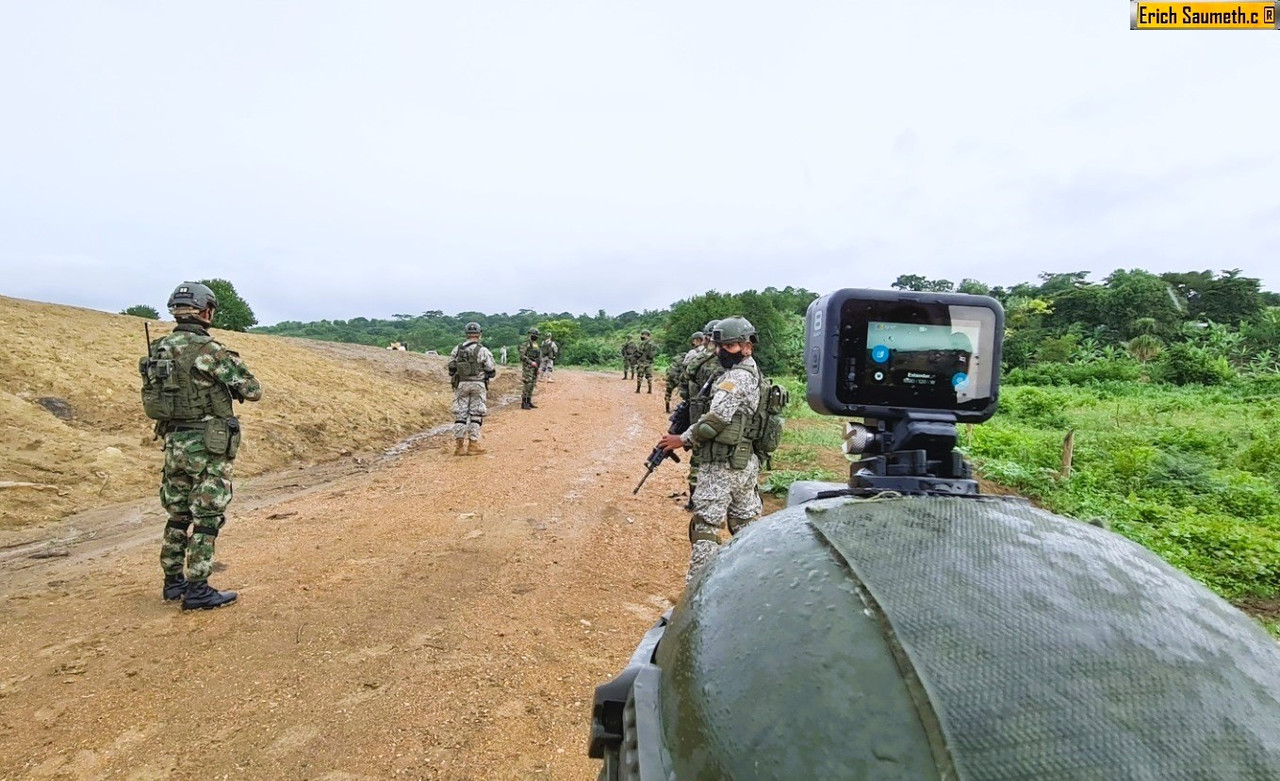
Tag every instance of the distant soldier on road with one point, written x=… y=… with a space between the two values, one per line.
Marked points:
x=530 y=356
x=646 y=352
x=550 y=351
x=700 y=368
x=470 y=369
x=504 y=355
x=628 y=357
x=675 y=371
x=727 y=487
x=188 y=383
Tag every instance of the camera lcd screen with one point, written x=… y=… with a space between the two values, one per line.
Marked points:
x=918 y=352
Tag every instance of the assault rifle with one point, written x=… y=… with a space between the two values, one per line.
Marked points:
x=679 y=423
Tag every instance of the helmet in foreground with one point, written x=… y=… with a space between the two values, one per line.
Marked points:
x=942 y=637
x=472 y=328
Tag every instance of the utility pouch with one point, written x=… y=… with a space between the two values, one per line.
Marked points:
x=222 y=437
x=159 y=388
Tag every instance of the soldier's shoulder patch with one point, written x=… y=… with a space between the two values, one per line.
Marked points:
x=727 y=385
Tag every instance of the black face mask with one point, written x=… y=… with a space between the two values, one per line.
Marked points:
x=727 y=359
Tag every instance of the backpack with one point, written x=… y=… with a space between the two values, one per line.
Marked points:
x=764 y=429
x=466 y=365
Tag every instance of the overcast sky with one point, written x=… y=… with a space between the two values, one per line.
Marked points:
x=339 y=159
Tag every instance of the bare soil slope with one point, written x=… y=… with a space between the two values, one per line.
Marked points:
x=320 y=400
x=414 y=616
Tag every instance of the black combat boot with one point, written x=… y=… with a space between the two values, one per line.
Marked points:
x=201 y=596
x=174 y=586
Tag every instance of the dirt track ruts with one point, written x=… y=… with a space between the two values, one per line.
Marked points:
x=432 y=617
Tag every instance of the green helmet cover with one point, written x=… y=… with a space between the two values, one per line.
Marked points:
x=534 y=332
x=193 y=295
x=697 y=335
x=734 y=329
x=710 y=326
x=472 y=328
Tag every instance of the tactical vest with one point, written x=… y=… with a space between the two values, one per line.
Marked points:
x=758 y=432
x=697 y=377
x=170 y=393
x=469 y=367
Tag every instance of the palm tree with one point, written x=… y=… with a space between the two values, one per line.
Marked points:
x=1145 y=347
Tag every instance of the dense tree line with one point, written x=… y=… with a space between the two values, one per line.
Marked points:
x=1188 y=327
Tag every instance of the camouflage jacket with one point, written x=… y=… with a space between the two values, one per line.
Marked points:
x=215 y=364
x=550 y=349
x=530 y=354
x=628 y=349
x=646 y=352
x=736 y=391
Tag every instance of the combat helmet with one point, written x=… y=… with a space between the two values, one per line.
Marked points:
x=734 y=330
x=645 y=332
x=192 y=295
x=942 y=638
x=697 y=335
x=472 y=328
x=709 y=327
x=534 y=332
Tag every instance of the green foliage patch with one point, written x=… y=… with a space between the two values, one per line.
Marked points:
x=1188 y=472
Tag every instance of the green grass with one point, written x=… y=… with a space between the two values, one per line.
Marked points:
x=1188 y=472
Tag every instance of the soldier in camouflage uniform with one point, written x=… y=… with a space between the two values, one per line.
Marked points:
x=727 y=477
x=628 y=357
x=530 y=356
x=470 y=368
x=188 y=383
x=646 y=352
x=699 y=369
x=550 y=351
x=675 y=371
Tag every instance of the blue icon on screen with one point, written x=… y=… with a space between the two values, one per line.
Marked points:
x=879 y=353
x=959 y=380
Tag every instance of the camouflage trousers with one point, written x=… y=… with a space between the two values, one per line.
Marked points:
x=628 y=368
x=195 y=488
x=469 y=409
x=643 y=370
x=547 y=366
x=723 y=493
x=530 y=377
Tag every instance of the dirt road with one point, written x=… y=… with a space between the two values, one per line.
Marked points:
x=421 y=616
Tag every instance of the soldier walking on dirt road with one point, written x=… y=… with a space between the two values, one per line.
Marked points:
x=646 y=352
x=470 y=369
x=530 y=358
x=628 y=357
x=188 y=383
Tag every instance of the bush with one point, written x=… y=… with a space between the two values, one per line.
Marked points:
x=142 y=310
x=1185 y=364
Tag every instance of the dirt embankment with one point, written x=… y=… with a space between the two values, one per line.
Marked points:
x=321 y=400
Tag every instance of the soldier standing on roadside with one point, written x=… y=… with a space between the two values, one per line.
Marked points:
x=550 y=351
x=646 y=352
x=470 y=369
x=530 y=355
x=675 y=371
x=700 y=367
x=628 y=357
x=727 y=477
x=188 y=383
